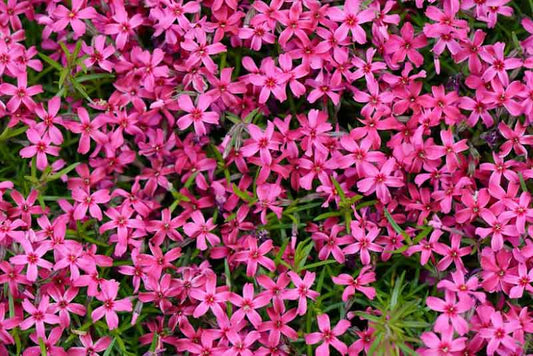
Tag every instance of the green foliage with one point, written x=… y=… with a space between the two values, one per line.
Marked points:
x=401 y=316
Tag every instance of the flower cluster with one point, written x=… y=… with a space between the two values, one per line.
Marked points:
x=228 y=177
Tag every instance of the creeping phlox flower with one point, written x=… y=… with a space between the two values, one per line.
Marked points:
x=229 y=177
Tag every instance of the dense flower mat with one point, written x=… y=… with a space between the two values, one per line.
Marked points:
x=230 y=177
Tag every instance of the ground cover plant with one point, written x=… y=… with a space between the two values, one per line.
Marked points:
x=278 y=177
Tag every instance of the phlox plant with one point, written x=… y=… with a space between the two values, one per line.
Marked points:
x=285 y=177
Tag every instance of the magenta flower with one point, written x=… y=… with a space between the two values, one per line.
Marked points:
x=166 y=227
x=210 y=298
x=406 y=45
x=197 y=115
x=38 y=316
x=157 y=262
x=255 y=255
x=89 y=347
x=122 y=221
x=122 y=26
x=328 y=336
x=331 y=244
x=9 y=65
x=443 y=346
x=498 y=332
x=277 y=325
x=20 y=94
x=379 y=180
x=498 y=65
x=201 y=230
x=63 y=304
x=302 y=290
x=351 y=18
x=521 y=281
x=450 y=310
x=87 y=201
x=49 y=343
x=248 y=304
x=108 y=295
x=257 y=34
x=201 y=52
x=50 y=119
x=356 y=284
x=272 y=80
x=32 y=258
x=464 y=289
x=41 y=146
x=495 y=265
x=515 y=139
x=267 y=195
x=262 y=142
x=88 y=129
x=6 y=325
x=363 y=243
x=453 y=253
x=499 y=228
x=74 y=17
x=98 y=54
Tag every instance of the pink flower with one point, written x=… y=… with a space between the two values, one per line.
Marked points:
x=498 y=64
x=499 y=228
x=331 y=244
x=201 y=52
x=5 y=325
x=515 y=139
x=20 y=94
x=32 y=258
x=255 y=255
x=302 y=290
x=74 y=17
x=351 y=19
x=122 y=221
x=379 y=180
x=328 y=336
x=521 y=281
x=464 y=290
x=454 y=253
x=197 y=115
x=248 y=304
x=406 y=45
x=50 y=118
x=157 y=262
x=108 y=295
x=98 y=54
x=201 y=230
x=272 y=80
x=277 y=325
x=450 y=310
x=38 y=316
x=443 y=346
x=209 y=298
x=267 y=194
x=90 y=202
x=122 y=26
x=498 y=334
x=88 y=129
x=89 y=347
x=40 y=147
x=63 y=304
x=356 y=284
x=363 y=243
x=262 y=142
x=495 y=266
x=166 y=227
x=258 y=34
